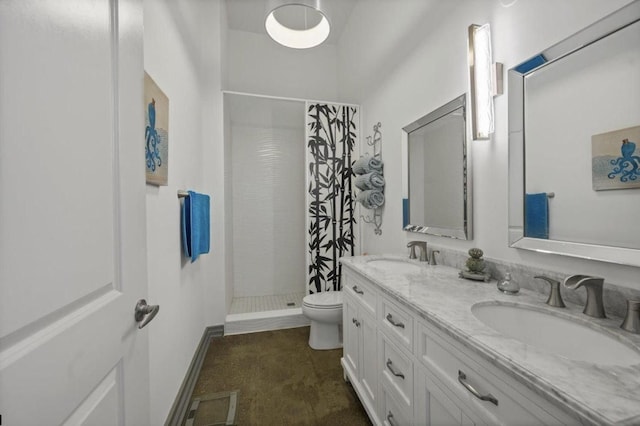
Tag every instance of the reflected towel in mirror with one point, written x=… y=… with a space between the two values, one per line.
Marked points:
x=367 y=164
x=371 y=199
x=536 y=215
x=373 y=180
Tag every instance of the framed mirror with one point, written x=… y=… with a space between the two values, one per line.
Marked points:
x=574 y=144
x=436 y=188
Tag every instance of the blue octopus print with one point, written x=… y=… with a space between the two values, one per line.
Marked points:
x=152 y=138
x=628 y=165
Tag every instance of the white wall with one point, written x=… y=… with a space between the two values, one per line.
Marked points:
x=430 y=71
x=256 y=64
x=181 y=53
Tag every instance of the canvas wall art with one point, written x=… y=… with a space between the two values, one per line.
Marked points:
x=616 y=159
x=156 y=133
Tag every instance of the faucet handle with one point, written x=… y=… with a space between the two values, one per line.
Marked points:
x=631 y=321
x=555 y=298
x=412 y=252
x=432 y=257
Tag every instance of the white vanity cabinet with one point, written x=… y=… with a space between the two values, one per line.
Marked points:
x=359 y=341
x=417 y=374
x=457 y=383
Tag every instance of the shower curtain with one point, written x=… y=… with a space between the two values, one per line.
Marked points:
x=332 y=135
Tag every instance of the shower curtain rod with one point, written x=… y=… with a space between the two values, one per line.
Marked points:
x=284 y=98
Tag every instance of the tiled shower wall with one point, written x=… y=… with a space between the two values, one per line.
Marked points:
x=268 y=193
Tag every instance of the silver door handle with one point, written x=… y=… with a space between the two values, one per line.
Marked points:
x=462 y=378
x=390 y=419
x=393 y=371
x=357 y=290
x=397 y=324
x=145 y=313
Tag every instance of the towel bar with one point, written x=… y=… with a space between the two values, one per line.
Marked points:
x=182 y=193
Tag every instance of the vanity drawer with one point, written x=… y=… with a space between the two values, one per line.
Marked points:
x=397 y=323
x=362 y=291
x=396 y=369
x=506 y=399
x=392 y=413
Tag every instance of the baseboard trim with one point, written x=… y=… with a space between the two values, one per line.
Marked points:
x=181 y=404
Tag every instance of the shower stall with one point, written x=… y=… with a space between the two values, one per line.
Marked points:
x=289 y=207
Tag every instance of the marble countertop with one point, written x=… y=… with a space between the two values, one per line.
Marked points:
x=597 y=394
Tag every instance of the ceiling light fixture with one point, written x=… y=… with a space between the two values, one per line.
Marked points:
x=298 y=24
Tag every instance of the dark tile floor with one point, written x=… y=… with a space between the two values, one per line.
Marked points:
x=281 y=380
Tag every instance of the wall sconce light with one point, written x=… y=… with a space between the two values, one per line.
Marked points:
x=298 y=24
x=486 y=81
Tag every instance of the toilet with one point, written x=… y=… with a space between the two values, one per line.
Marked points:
x=325 y=312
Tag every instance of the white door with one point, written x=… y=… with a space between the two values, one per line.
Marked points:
x=72 y=213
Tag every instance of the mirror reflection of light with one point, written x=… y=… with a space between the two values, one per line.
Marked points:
x=297 y=39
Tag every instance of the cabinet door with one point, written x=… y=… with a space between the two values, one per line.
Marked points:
x=437 y=407
x=351 y=337
x=368 y=368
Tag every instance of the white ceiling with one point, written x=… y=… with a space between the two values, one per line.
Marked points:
x=249 y=15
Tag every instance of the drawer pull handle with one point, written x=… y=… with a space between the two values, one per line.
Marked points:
x=397 y=324
x=357 y=290
x=462 y=378
x=394 y=372
x=390 y=419
x=356 y=322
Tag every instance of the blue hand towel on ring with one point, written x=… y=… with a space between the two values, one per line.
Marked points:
x=195 y=225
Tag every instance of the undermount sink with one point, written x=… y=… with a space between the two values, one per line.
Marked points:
x=394 y=265
x=555 y=334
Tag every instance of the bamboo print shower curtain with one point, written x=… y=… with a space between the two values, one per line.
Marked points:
x=331 y=138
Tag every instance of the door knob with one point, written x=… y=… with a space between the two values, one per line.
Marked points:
x=145 y=313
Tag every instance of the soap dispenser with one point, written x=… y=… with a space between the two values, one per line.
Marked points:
x=507 y=285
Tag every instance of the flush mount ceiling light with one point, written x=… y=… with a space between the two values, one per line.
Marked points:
x=485 y=81
x=298 y=24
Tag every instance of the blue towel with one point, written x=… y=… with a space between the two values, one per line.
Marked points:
x=536 y=215
x=195 y=225
x=373 y=180
x=405 y=212
x=367 y=164
x=371 y=199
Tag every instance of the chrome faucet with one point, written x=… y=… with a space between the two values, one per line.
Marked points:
x=555 y=298
x=594 y=306
x=423 y=250
x=631 y=321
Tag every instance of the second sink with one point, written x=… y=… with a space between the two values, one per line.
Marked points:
x=555 y=334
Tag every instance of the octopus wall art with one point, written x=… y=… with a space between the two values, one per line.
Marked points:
x=627 y=166
x=156 y=133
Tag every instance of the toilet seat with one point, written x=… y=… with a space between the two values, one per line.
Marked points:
x=324 y=300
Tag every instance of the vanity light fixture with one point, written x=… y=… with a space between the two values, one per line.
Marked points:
x=485 y=81
x=298 y=24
